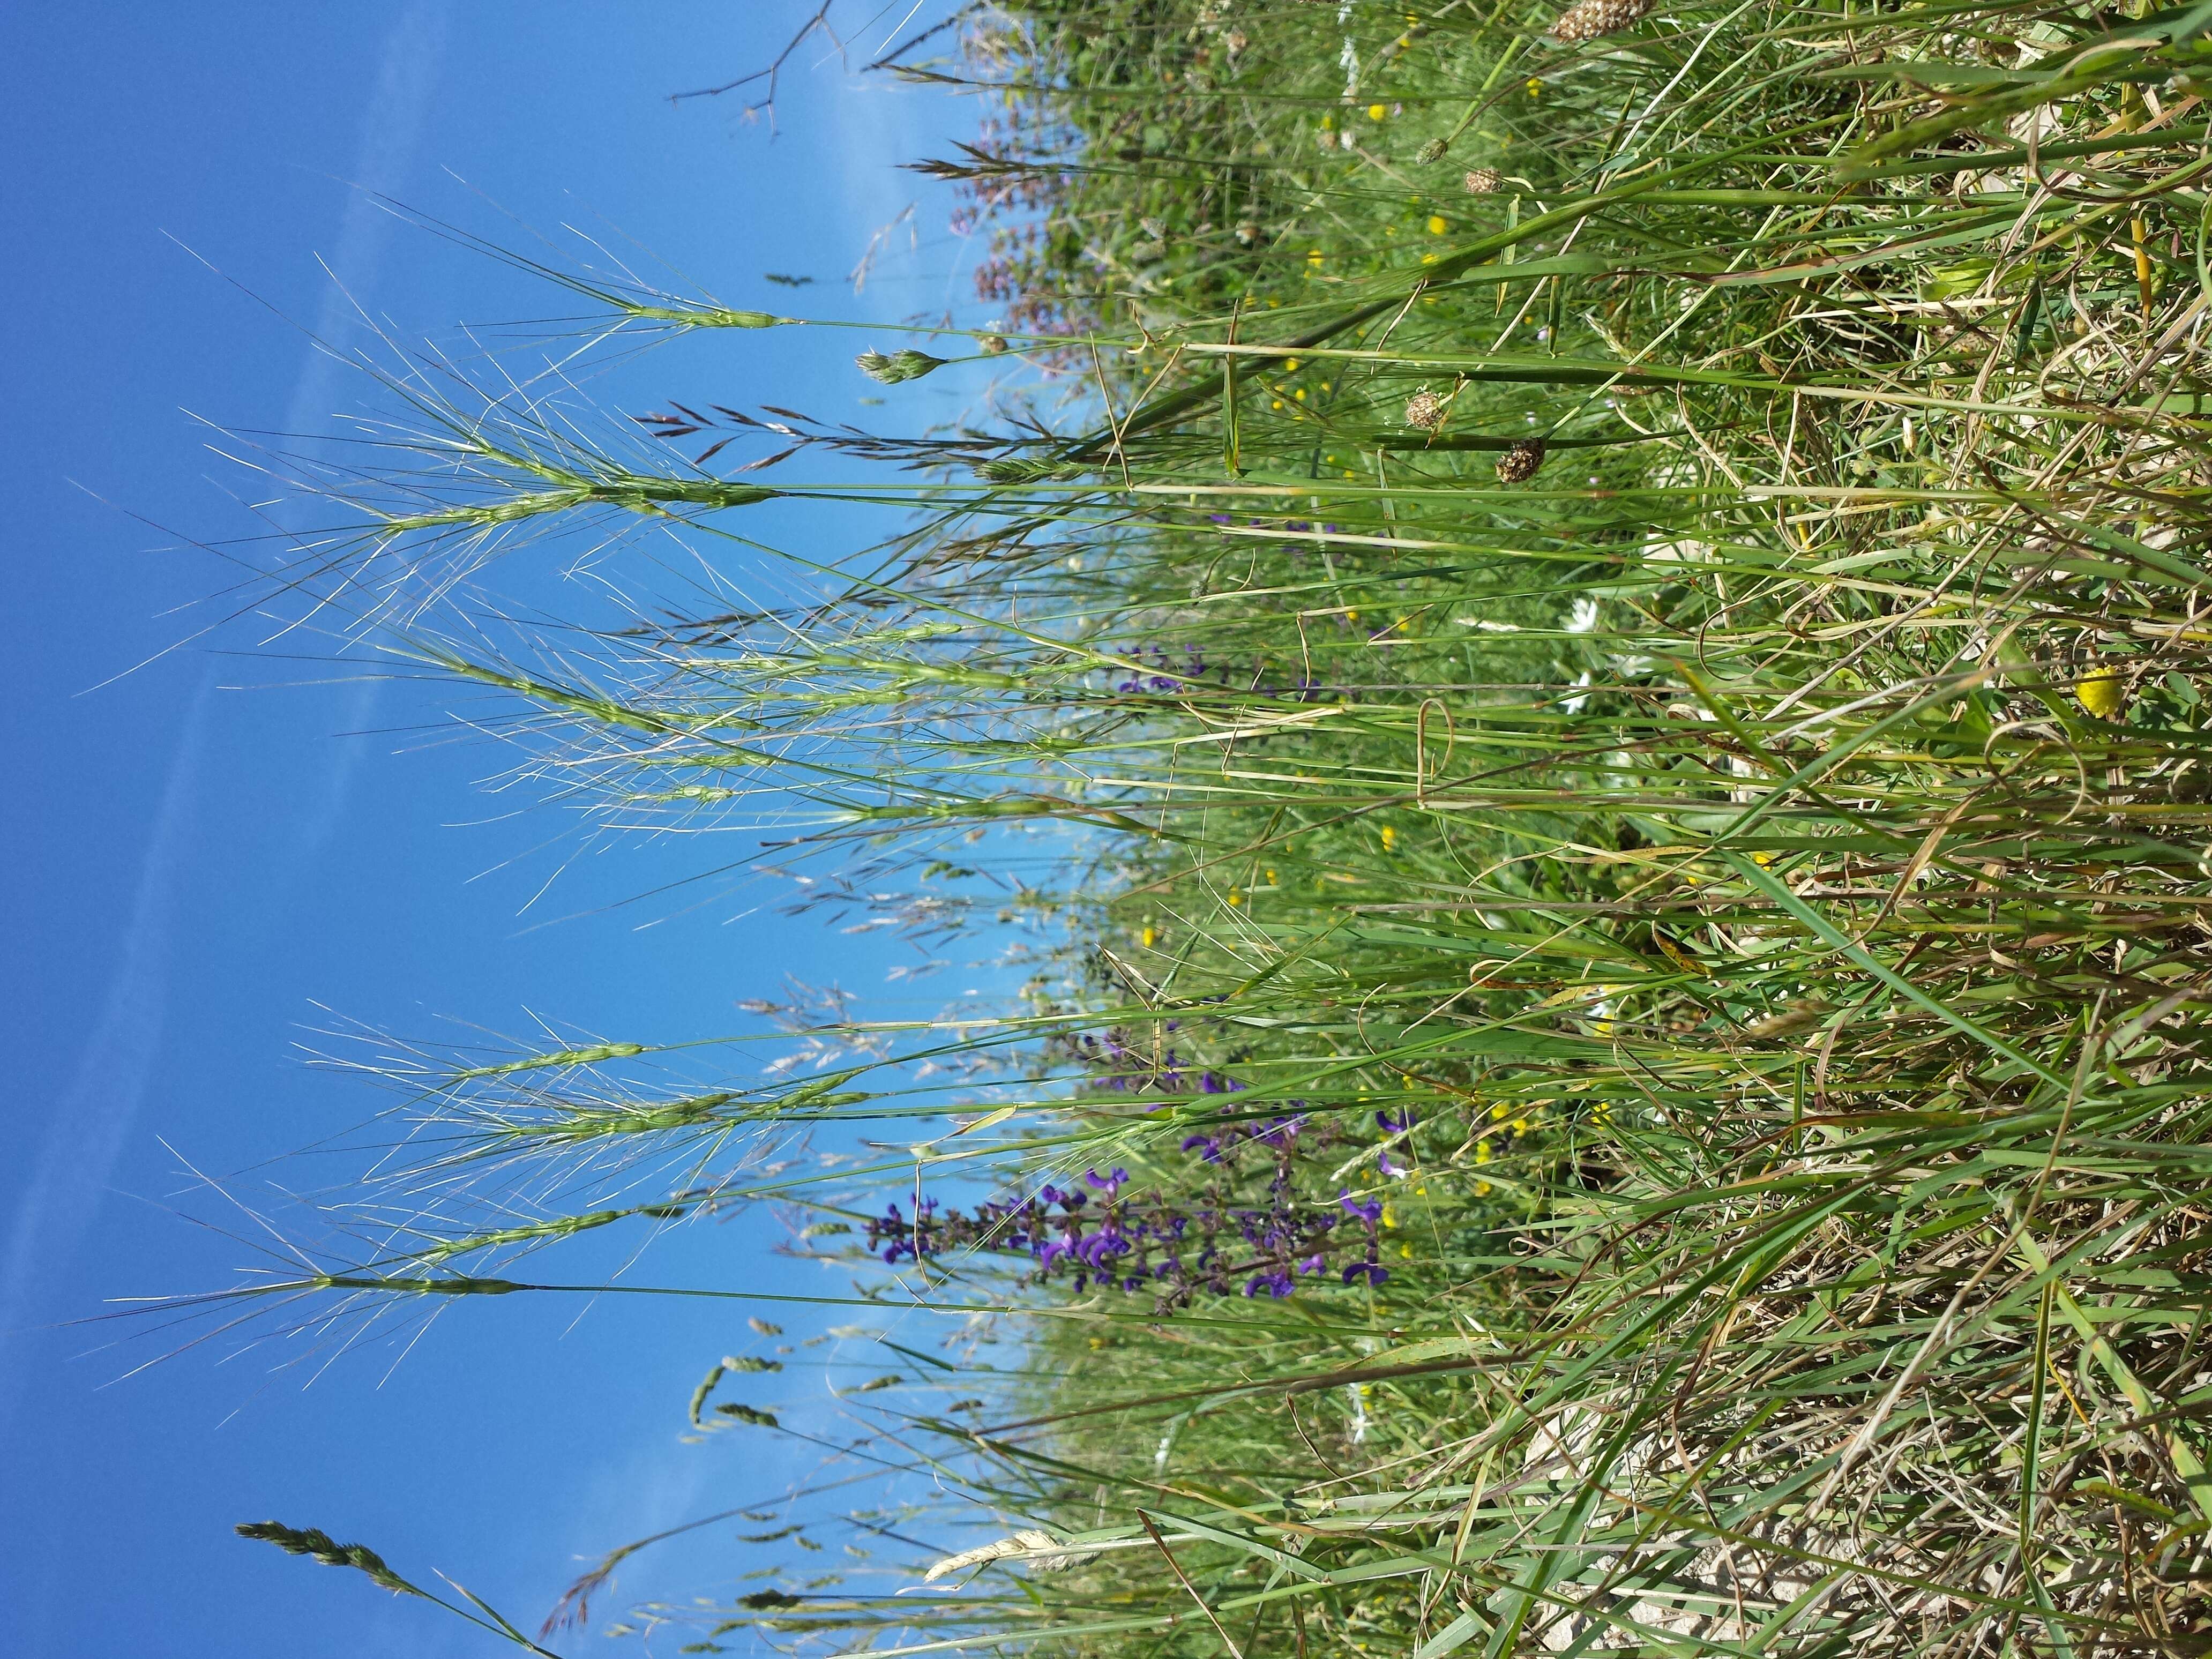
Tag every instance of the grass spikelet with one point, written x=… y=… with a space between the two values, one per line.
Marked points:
x=897 y=367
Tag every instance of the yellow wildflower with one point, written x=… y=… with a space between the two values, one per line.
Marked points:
x=2103 y=692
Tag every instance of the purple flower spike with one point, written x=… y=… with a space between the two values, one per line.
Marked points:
x=1313 y=1264
x=1370 y=1212
x=1382 y=1163
x=1374 y=1272
x=1396 y=1125
x=1110 y=1184
x=1095 y=1250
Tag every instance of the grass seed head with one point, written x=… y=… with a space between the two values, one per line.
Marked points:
x=1483 y=181
x=1590 y=19
x=908 y=364
x=314 y=1542
x=1424 y=411
x=1518 y=464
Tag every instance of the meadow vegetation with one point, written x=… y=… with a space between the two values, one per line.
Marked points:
x=1574 y=640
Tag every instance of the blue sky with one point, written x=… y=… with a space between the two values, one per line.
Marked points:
x=210 y=851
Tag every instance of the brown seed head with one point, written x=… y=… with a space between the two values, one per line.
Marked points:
x=1424 y=411
x=1518 y=464
x=1588 y=19
x=1483 y=181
